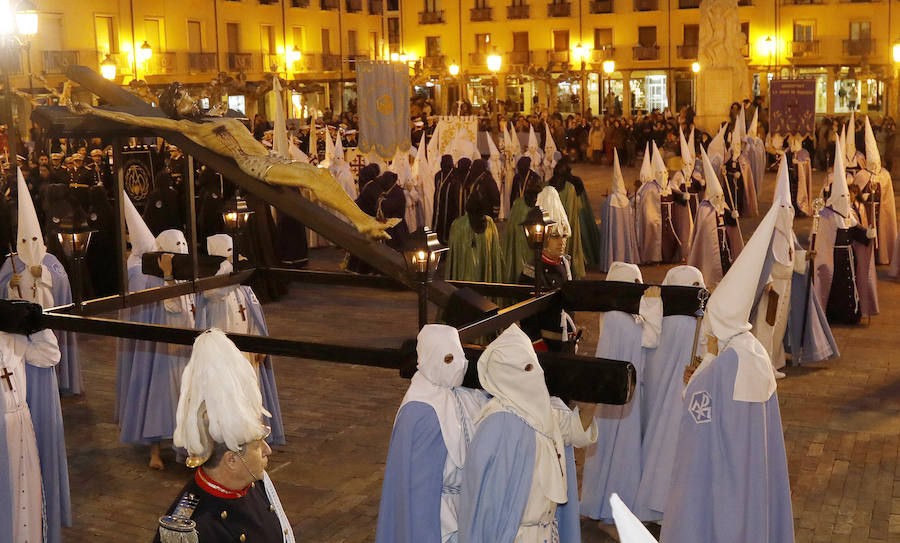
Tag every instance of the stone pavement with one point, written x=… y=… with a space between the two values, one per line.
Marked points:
x=841 y=422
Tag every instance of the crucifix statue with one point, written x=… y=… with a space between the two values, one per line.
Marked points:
x=230 y=138
x=243 y=311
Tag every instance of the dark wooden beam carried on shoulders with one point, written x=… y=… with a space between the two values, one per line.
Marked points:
x=585 y=295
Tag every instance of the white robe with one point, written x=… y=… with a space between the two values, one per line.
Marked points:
x=772 y=335
x=40 y=350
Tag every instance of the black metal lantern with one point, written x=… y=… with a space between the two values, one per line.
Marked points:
x=74 y=236
x=536 y=224
x=237 y=215
x=422 y=253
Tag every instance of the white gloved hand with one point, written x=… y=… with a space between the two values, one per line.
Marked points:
x=735 y=215
x=685 y=196
x=870 y=233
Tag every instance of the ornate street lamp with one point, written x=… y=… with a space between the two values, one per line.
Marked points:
x=294 y=56
x=536 y=224
x=27 y=18
x=422 y=253
x=453 y=69
x=74 y=237
x=582 y=52
x=16 y=29
x=145 y=52
x=236 y=218
x=108 y=68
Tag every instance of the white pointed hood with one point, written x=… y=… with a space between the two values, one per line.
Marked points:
x=783 y=240
x=221 y=245
x=684 y=276
x=220 y=400
x=714 y=193
x=630 y=529
x=532 y=139
x=420 y=164
x=687 y=157
x=329 y=151
x=660 y=172
x=549 y=201
x=338 y=148
x=172 y=241
x=691 y=144
x=509 y=370
x=716 y=147
x=753 y=131
x=850 y=141
x=280 y=142
x=624 y=272
x=441 y=368
x=516 y=144
x=550 y=149
x=140 y=236
x=507 y=142
x=839 y=199
x=619 y=196
x=29 y=239
x=873 y=159
x=646 y=174
x=495 y=161
x=728 y=315
x=737 y=135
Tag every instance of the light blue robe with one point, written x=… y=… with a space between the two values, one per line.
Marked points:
x=568 y=517
x=209 y=312
x=42 y=396
x=410 y=509
x=730 y=478
x=613 y=464
x=819 y=344
x=6 y=503
x=69 y=367
x=149 y=374
x=663 y=383
x=496 y=480
x=618 y=240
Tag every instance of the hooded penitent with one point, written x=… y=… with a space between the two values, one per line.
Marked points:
x=714 y=193
x=660 y=172
x=548 y=200
x=31 y=250
x=687 y=158
x=887 y=212
x=646 y=174
x=839 y=196
x=510 y=372
x=619 y=196
x=618 y=240
x=716 y=149
x=850 y=142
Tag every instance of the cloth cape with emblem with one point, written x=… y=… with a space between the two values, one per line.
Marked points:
x=730 y=479
x=474 y=256
x=149 y=374
x=515 y=471
x=661 y=409
x=432 y=431
x=617 y=235
x=236 y=309
x=516 y=253
x=614 y=464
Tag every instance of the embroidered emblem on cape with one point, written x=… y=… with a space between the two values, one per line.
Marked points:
x=701 y=407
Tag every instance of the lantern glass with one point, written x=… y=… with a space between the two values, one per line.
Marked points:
x=27 y=19
x=74 y=244
x=609 y=66
x=108 y=68
x=536 y=224
x=145 y=52
x=695 y=67
x=423 y=254
x=453 y=69
x=238 y=216
x=294 y=55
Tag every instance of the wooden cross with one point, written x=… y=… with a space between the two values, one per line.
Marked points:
x=34 y=290
x=193 y=310
x=243 y=310
x=5 y=376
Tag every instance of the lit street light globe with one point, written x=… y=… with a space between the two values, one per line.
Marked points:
x=27 y=18
x=609 y=66
x=453 y=69
x=108 y=68
x=695 y=67
x=494 y=62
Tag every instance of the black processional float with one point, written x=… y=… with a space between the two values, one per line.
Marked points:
x=464 y=305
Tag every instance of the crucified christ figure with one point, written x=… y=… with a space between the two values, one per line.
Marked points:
x=229 y=137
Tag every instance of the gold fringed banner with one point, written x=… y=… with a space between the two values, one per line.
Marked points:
x=383 y=90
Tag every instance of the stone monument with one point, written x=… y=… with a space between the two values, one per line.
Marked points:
x=723 y=76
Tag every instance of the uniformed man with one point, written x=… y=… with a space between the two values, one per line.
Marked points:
x=95 y=173
x=553 y=329
x=219 y=421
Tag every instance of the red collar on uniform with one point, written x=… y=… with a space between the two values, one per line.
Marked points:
x=550 y=260
x=206 y=483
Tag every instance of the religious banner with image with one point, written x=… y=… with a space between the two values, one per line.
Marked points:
x=383 y=90
x=139 y=172
x=792 y=107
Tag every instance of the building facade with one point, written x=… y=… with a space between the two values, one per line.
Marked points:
x=640 y=54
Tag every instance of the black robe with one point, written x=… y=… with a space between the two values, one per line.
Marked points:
x=524 y=175
x=100 y=260
x=481 y=181
x=163 y=208
x=450 y=200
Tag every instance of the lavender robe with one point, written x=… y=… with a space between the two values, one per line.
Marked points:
x=656 y=235
x=730 y=479
x=706 y=249
x=613 y=464
x=617 y=236
x=864 y=257
x=682 y=216
x=816 y=342
x=69 y=367
x=662 y=402
x=756 y=150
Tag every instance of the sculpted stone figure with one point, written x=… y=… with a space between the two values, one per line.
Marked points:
x=229 y=137
x=721 y=42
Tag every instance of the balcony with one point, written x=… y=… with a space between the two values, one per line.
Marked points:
x=376 y=7
x=518 y=12
x=800 y=49
x=331 y=62
x=559 y=57
x=354 y=6
x=480 y=14
x=433 y=62
x=687 y=52
x=559 y=10
x=646 y=5
x=859 y=47
x=646 y=52
x=604 y=52
x=353 y=59
x=688 y=4
x=240 y=62
x=201 y=63
x=743 y=3
x=162 y=63
x=273 y=63
x=299 y=3
x=478 y=59
x=602 y=6
x=56 y=62
x=519 y=58
x=334 y=5
x=431 y=17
